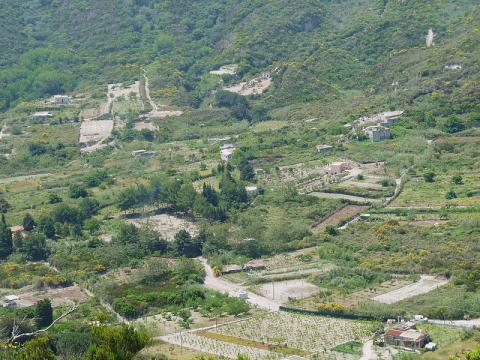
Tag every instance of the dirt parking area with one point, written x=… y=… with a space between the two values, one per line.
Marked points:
x=285 y=290
x=167 y=225
x=426 y=284
x=58 y=297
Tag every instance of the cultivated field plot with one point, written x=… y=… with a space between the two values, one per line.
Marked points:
x=285 y=290
x=426 y=284
x=221 y=348
x=338 y=217
x=312 y=334
x=167 y=225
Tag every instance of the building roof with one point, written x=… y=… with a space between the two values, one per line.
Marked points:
x=324 y=147
x=17 y=228
x=11 y=297
x=413 y=335
x=42 y=114
x=230 y=268
x=255 y=263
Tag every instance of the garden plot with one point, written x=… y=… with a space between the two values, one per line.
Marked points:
x=313 y=334
x=342 y=215
x=255 y=86
x=116 y=91
x=58 y=297
x=426 y=284
x=167 y=225
x=93 y=134
x=285 y=290
x=361 y=199
x=145 y=126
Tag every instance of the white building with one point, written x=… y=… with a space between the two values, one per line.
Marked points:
x=60 y=99
x=226 y=152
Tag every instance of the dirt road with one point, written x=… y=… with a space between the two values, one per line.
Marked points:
x=367 y=351
x=218 y=284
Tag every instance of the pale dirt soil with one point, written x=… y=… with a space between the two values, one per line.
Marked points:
x=426 y=284
x=167 y=225
x=59 y=297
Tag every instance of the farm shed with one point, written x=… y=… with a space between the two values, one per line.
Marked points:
x=323 y=149
x=231 y=269
x=406 y=335
x=377 y=133
x=41 y=116
x=60 y=99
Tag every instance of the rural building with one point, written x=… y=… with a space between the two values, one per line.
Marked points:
x=251 y=190
x=256 y=264
x=377 y=133
x=391 y=117
x=338 y=167
x=10 y=301
x=143 y=153
x=42 y=116
x=323 y=149
x=60 y=99
x=226 y=152
x=406 y=335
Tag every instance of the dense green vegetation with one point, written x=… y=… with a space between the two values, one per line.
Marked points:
x=87 y=216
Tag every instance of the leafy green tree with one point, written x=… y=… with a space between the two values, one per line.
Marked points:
x=457 y=180
x=4 y=205
x=88 y=207
x=184 y=245
x=54 y=198
x=47 y=226
x=43 y=313
x=6 y=245
x=127 y=233
x=76 y=191
x=453 y=125
x=28 y=222
x=186 y=197
x=246 y=170
x=112 y=343
x=36 y=349
x=35 y=247
x=429 y=176
x=210 y=194
x=127 y=199
x=330 y=230
x=451 y=195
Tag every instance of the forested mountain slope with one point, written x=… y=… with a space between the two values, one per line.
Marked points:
x=321 y=47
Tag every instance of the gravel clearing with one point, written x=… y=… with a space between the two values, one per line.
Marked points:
x=284 y=290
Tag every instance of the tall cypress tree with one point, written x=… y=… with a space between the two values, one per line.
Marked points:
x=6 y=245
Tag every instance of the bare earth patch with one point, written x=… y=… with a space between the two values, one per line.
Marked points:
x=93 y=133
x=253 y=87
x=426 y=284
x=58 y=297
x=285 y=290
x=167 y=225
x=334 y=219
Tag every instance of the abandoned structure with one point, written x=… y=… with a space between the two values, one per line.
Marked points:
x=406 y=335
x=226 y=152
x=60 y=99
x=143 y=153
x=377 y=133
x=41 y=116
x=338 y=167
x=323 y=149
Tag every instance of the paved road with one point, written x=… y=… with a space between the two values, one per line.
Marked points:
x=222 y=285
